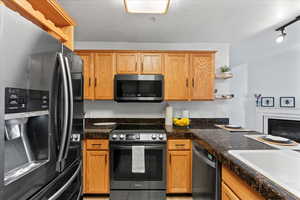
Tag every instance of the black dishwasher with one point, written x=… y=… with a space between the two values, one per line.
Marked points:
x=206 y=175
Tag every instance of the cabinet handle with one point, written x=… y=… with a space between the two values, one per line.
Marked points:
x=105 y=159
x=179 y=145
x=170 y=159
x=187 y=82
x=193 y=83
x=89 y=82
x=142 y=66
x=95 y=82
x=96 y=145
x=135 y=66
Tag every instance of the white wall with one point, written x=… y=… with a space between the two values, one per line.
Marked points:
x=273 y=69
x=99 y=109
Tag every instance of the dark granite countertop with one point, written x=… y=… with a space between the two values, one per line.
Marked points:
x=217 y=141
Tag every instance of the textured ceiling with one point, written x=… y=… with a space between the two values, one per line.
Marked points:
x=187 y=20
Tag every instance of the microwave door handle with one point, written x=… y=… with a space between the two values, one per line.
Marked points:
x=68 y=183
x=70 y=116
x=66 y=114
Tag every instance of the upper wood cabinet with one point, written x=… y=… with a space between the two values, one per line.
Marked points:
x=202 y=76
x=88 y=75
x=127 y=63
x=176 y=77
x=188 y=75
x=104 y=71
x=151 y=63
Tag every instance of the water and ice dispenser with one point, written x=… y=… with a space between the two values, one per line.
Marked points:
x=26 y=132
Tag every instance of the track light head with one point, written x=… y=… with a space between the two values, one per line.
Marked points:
x=282 y=35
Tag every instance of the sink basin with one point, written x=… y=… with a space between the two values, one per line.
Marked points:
x=280 y=166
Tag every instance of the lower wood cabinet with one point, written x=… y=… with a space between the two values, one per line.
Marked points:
x=179 y=167
x=234 y=188
x=96 y=167
x=227 y=193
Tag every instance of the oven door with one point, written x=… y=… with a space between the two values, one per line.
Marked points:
x=121 y=173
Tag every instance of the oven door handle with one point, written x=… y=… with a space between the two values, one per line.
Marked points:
x=69 y=182
x=130 y=146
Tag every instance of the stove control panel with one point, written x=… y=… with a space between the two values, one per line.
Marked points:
x=138 y=137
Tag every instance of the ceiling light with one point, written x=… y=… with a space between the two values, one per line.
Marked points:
x=282 y=29
x=147 y=6
x=282 y=35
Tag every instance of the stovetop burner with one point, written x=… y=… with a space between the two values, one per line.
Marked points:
x=138 y=133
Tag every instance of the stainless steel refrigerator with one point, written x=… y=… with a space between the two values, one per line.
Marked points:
x=41 y=113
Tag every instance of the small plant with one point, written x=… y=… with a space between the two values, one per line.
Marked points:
x=225 y=69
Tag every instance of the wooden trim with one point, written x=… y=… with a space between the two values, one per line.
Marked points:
x=143 y=51
x=69 y=32
x=26 y=10
x=54 y=12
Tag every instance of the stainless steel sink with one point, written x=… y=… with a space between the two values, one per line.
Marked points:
x=280 y=166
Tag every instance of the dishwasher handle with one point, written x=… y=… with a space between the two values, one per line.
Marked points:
x=200 y=153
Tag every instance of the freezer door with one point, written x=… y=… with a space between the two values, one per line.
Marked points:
x=67 y=186
x=28 y=58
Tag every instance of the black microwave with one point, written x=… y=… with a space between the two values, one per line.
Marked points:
x=139 y=88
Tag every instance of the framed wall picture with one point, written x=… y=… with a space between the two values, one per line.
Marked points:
x=287 y=102
x=267 y=101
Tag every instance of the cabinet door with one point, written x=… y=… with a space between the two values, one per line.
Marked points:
x=202 y=76
x=88 y=75
x=227 y=193
x=151 y=63
x=104 y=75
x=179 y=172
x=97 y=173
x=176 y=77
x=127 y=63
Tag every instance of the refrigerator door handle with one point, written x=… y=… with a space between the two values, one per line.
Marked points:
x=68 y=183
x=71 y=98
x=60 y=164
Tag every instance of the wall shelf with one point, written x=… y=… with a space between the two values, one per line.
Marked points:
x=223 y=76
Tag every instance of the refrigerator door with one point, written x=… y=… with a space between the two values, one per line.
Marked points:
x=67 y=186
x=28 y=59
x=75 y=129
x=2 y=90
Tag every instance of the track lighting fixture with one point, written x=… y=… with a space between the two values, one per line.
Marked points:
x=282 y=30
x=282 y=35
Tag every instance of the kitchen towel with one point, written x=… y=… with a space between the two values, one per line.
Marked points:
x=138 y=159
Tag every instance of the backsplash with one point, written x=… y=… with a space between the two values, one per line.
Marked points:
x=111 y=109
